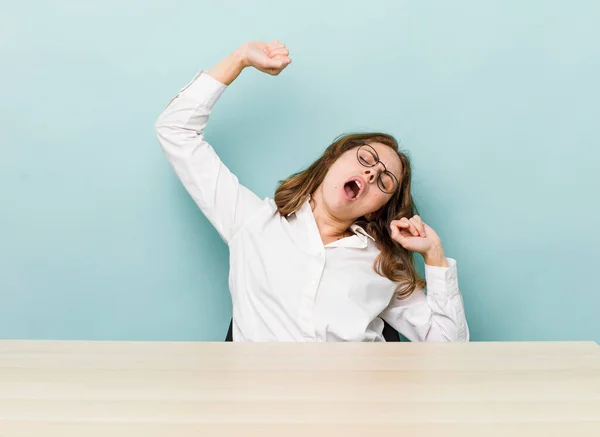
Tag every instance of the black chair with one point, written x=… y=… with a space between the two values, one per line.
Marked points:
x=389 y=333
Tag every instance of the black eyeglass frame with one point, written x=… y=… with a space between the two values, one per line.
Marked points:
x=373 y=152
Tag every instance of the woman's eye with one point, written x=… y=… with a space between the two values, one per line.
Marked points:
x=367 y=158
x=387 y=181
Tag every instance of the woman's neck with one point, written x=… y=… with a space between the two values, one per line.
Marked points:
x=330 y=228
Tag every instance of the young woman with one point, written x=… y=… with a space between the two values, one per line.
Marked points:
x=331 y=256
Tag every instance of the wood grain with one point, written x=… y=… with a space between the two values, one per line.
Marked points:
x=77 y=388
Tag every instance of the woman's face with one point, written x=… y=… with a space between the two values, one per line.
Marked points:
x=351 y=189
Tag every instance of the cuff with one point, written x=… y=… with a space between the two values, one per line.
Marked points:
x=204 y=89
x=442 y=281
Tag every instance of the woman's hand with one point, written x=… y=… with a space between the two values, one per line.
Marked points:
x=269 y=58
x=416 y=236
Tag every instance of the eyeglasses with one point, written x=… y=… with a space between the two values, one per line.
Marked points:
x=368 y=157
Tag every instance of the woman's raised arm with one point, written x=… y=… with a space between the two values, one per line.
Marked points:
x=180 y=130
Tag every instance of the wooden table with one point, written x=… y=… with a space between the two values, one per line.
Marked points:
x=88 y=389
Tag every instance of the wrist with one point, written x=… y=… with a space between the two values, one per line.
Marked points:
x=435 y=257
x=240 y=58
x=228 y=69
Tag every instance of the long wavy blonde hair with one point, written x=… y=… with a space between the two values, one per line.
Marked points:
x=394 y=261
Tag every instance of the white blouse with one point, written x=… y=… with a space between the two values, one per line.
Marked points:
x=285 y=284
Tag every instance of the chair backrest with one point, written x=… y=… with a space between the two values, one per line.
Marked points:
x=389 y=333
x=229 y=336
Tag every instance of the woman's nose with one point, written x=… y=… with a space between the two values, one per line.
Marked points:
x=370 y=175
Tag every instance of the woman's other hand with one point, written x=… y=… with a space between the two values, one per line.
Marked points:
x=270 y=58
x=416 y=236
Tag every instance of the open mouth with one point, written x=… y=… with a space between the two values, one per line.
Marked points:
x=353 y=188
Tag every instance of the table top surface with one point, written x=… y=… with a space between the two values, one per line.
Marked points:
x=83 y=388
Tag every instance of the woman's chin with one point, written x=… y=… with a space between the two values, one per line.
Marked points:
x=343 y=208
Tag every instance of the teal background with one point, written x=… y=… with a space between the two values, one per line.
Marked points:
x=496 y=101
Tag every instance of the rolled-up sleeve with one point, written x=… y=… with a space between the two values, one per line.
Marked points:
x=180 y=129
x=437 y=315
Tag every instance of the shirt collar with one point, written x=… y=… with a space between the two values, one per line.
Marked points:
x=361 y=235
x=360 y=232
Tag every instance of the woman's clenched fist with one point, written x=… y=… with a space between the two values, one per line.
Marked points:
x=269 y=58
